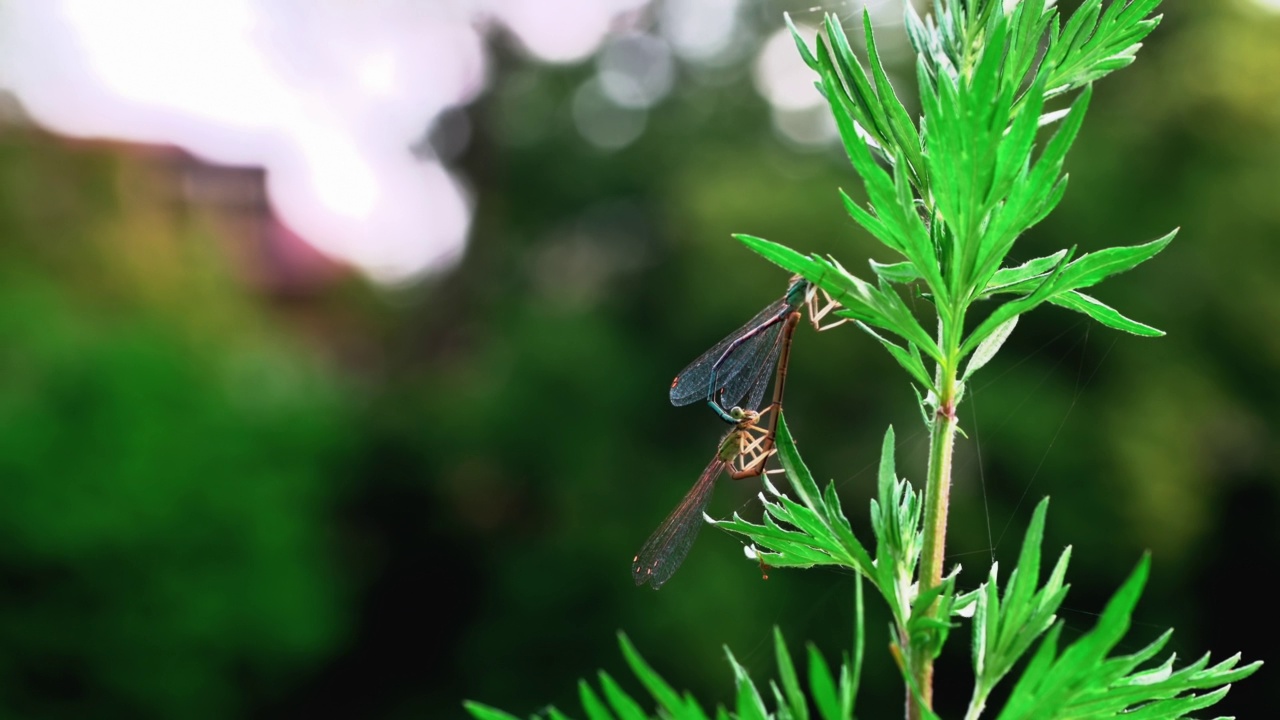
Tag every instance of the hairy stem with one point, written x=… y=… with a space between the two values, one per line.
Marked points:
x=937 y=498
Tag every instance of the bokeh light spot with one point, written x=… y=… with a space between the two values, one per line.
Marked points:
x=604 y=123
x=636 y=71
x=781 y=76
x=699 y=30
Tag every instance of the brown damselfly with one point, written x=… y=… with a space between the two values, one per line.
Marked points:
x=742 y=454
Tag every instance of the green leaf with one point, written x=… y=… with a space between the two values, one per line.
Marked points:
x=750 y=705
x=1083 y=272
x=1090 y=269
x=797 y=472
x=893 y=223
x=851 y=680
x=887 y=486
x=863 y=101
x=591 y=703
x=1083 y=682
x=1022 y=582
x=986 y=630
x=909 y=359
x=874 y=226
x=1022 y=278
x=1005 y=627
x=796 y=703
x=783 y=548
x=856 y=556
x=801 y=46
x=1104 y=314
x=901 y=272
x=895 y=520
x=790 y=547
x=1014 y=152
x=783 y=711
x=781 y=255
x=623 y=706
x=1013 y=308
x=1093 y=44
x=989 y=346
x=1033 y=195
x=927 y=632
x=879 y=307
x=900 y=126
x=1074 y=32
x=1028 y=22
x=822 y=535
x=666 y=696
x=823 y=687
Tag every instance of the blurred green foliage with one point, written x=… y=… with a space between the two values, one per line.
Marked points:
x=167 y=467
x=220 y=501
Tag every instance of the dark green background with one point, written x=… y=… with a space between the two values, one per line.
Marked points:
x=225 y=500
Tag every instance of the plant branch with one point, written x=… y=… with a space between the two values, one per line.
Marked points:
x=937 y=499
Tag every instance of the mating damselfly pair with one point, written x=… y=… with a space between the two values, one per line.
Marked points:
x=731 y=378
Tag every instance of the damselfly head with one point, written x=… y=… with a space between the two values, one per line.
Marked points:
x=799 y=291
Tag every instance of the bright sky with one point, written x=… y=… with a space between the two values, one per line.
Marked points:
x=329 y=97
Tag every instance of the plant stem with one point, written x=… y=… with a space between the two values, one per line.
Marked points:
x=978 y=702
x=937 y=498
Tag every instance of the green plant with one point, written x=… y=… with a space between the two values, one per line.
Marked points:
x=950 y=192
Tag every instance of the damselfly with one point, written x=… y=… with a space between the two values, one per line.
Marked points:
x=736 y=370
x=742 y=454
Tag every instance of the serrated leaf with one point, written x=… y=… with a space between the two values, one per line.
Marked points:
x=900 y=126
x=1092 y=268
x=986 y=627
x=1032 y=196
x=1087 y=270
x=898 y=226
x=843 y=64
x=1048 y=286
x=810 y=523
x=1023 y=277
x=1044 y=688
x=1092 y=43
x=822 y=534
x=1103 y=313
x=861 y=301
x=781 y=548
